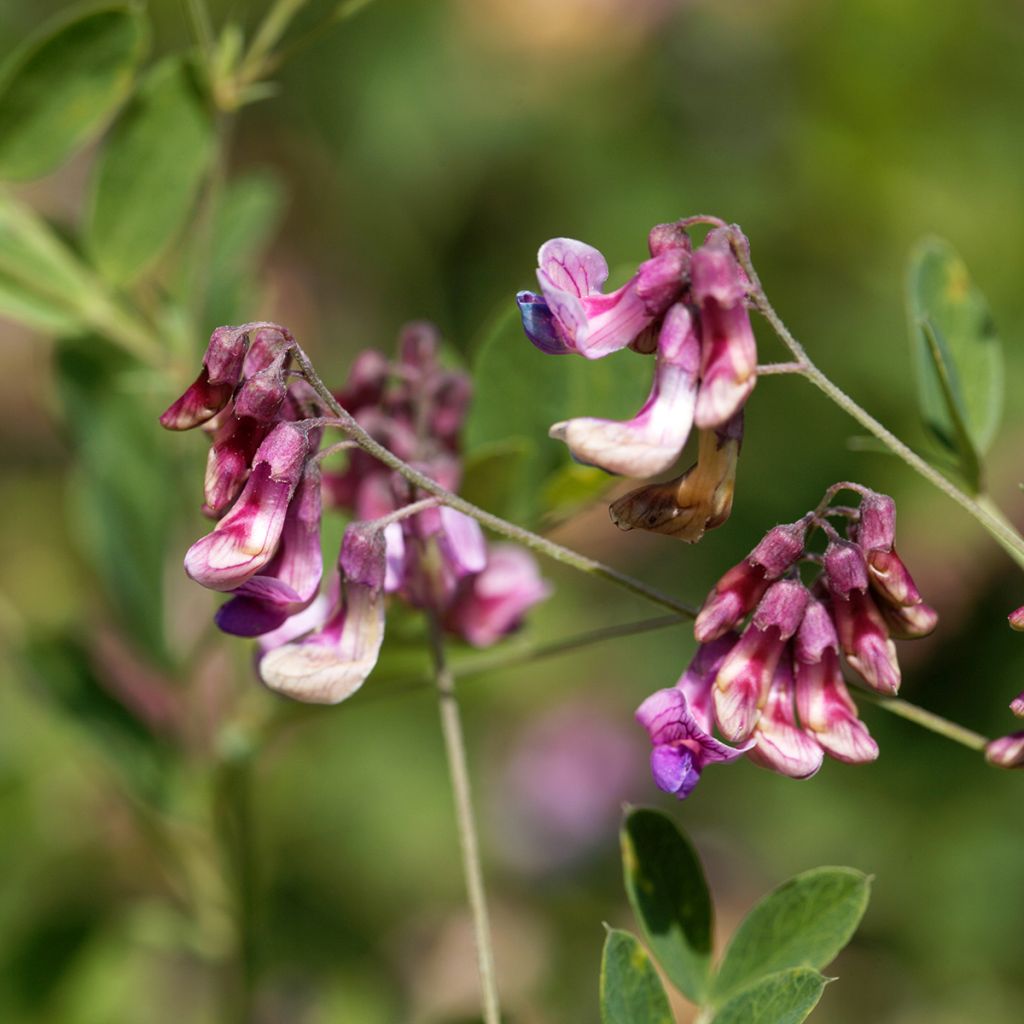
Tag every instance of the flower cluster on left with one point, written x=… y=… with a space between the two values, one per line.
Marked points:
x=267 y=490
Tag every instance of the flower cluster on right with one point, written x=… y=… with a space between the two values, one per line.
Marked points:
x=1008 y=751
x=775 y=686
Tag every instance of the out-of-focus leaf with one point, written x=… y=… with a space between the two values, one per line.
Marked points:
x=805 y=922
x=963 y=346
x=786 y=997
x=670 y=898
x=244 y=223
x=57 y=91
x=631 y=992
x=61 y=669
x=490 y=473
x=122 y=490
x=149 y=172
x=18 y=303
x=572 y=487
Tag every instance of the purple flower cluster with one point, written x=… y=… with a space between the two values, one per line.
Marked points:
x=775 y=686
x=265 y=488
x=1008 y=751
x=690 y=307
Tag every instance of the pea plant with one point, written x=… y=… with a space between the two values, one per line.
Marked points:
x=411 y=454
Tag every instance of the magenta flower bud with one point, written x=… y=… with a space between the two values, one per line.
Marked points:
x=268 y=343
x=418 y=345
x=212 y=389
x=651 y=441
x=779 y=743
x=262 y=395
x=909 y=623
x=732 y=599
x=782 y=607
x=780 y=548
x=877 y=527
x=741 y=686
x=817 y=634
x=1017 y=705
x=235 y=443
x=663 y=237
x=699 y=677
x=332 y=663
x=864 y=639
x=1007 y=751
x=292 y=579
x=367 y=378
x=449 y=403
x=246 y=539
x=729 y=355
x=826 y=708
x=682 y=747
x=845 y=568
x=492 y=603
x=890 y=578
x=1016 y=619
x=584 y=319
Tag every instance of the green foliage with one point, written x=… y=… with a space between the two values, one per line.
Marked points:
x=786 y=997
x=631 y=992
x=805 y=922
x=519 y=392
x=769 y=974
x=60 y=88
x=957 y=352
x=490 y=473
x=670 y=898
x=149 y=172
x=122 y=512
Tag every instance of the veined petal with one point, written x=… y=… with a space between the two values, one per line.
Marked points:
x=572 y=266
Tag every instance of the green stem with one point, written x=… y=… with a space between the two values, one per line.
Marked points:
x=469 y=844
x=926 y=719
x=981 y=509
x=494 y=523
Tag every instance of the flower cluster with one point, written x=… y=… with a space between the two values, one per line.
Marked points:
x=690 y=307
x=266 y=489
x=775 y=686
x=1008 y=751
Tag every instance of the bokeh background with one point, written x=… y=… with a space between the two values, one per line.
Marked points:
x=410 y=163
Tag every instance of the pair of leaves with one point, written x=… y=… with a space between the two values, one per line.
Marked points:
x=519 y=393
x=957 y=354
x=770 y=972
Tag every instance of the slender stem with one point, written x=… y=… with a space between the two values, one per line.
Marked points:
x=495 y=523
x=458 y=768
x=405 y=512
x=926 y=719
x=777 y=369
x=981 y=510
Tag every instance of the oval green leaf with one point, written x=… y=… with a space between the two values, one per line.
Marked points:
x=665 y=883
x=57 y=91
x=631 y=992
x=962 y=347
x=783 y=998
x=149 y=172
x=805 y=922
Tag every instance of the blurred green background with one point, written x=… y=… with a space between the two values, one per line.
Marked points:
x=416 y=155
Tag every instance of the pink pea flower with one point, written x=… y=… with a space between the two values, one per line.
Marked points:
x=779 y=742
x=246 y=539
x=864 y=639
x=653 y=440
x=492 y=603
x=332 y=663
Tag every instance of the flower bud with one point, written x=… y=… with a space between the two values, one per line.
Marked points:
x=246 y=539
x=817 y=634
x=782 y=607
x=845 y=568
x=1017 y=705
x=1016 y=619
x=651 y=441
x=261 y=395
x=876 y=529
x=732 y=599
x=332 y=663
x=663 y=237
x=909 y=623
x=864 y=639
x=212 y=389
x=826 y=708
x=779 y=743
x=741 y=686
x=890 y=578
x=1007 y=751
x=780 y=548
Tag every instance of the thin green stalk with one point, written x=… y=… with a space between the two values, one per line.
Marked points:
x=927 y=719
x=494 y=523
x=981 y=509
x=469 y=844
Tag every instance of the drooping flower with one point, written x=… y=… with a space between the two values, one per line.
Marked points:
x=776 y=684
